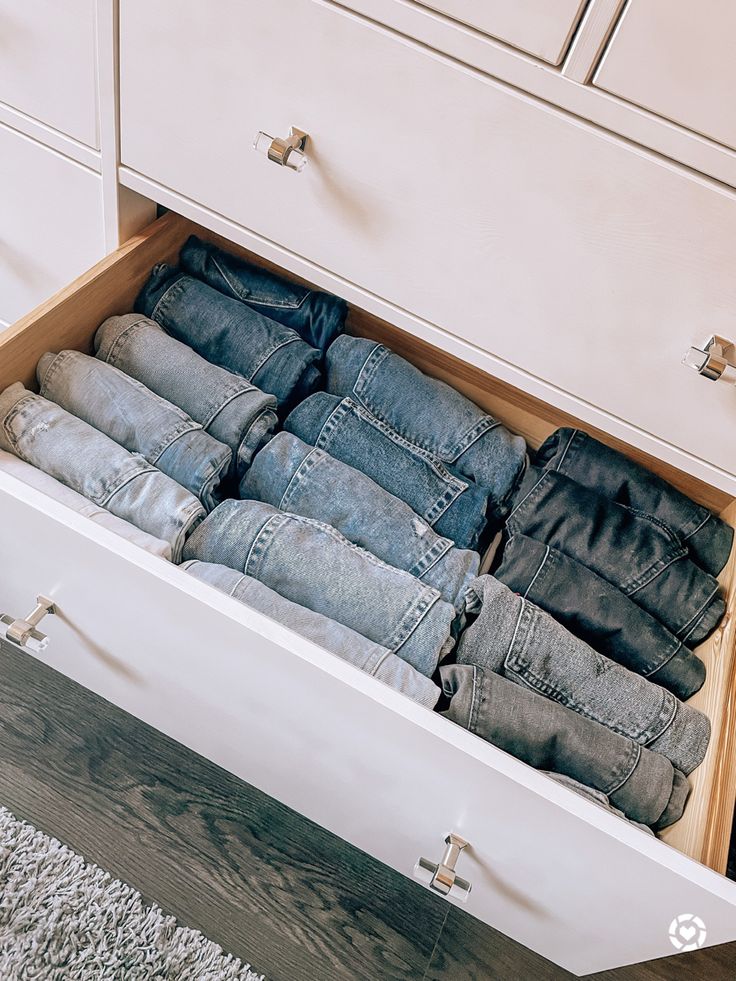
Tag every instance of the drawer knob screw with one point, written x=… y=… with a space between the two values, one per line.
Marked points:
x=288 y=152
x=441 y=876
x=23 y=632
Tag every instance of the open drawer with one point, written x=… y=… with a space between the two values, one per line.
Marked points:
x=550 y=869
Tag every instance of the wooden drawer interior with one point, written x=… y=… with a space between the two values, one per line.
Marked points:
x=70 y=319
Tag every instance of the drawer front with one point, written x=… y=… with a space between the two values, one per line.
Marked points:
x=525 y=233
x=51 y=225
x=540 y=27
x=48 y=67
x=677 y=59
x=590 y=892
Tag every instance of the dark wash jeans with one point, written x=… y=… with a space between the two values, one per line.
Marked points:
x=600 y=614
x=548 y=736
x=231 y=334
x=317 y=317
x=610 y=473
x=644 y=560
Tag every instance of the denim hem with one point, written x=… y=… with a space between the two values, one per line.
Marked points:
x=702 y=614
x=187 y=526
x=164 y=301
x=235 y=393
x=308 y=463
x=126 y=479
x=278 y=347
x=260 y=544
x=255 y=436
x=628 y=765
x=446 y=454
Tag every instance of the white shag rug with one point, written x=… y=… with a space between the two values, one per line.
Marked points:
x=62 y=919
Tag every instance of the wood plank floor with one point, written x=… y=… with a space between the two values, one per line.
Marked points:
x=269 y=886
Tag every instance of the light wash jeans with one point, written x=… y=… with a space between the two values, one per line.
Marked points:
x=333 y=636
x=514 y=638
x=546 y=735
x=600 y=614
x=231 y=334
x=315 y=566
x=317 y=317
x=301 y=479
x=615 y=476
x=643 y=559
x=454 y=507
x=52 y=439
x=138 y=419
x=227 y=406
x=430 y=415
x=53 y=488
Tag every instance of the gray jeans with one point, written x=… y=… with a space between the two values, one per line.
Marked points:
x=546 y=735
x=513 y=637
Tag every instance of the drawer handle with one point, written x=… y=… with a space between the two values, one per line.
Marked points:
x=23 y=632
x=441 y=876
x=714 y=360
x=288 y=152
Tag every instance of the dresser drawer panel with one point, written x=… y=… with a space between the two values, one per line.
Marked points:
x=548 y=868
x=48 y=67
x=529 y=235
x=677 y=59
x=51 y=225
x=540 y=27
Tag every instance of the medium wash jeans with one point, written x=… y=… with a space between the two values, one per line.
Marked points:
x=333 y=636
x=301 y=479
x=52 y=439
x=454 y=507
x=315 y=566
x=138 y=419
x=231 y=334
x=227 y=406
x=546 y=735
x=317 y=317
x=610 y=473
x=430 y=415
x=600 y=614
x=644 y=560
x=512 y=637
x=53 y=488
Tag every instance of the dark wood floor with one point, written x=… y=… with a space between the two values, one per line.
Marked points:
x=269 y=886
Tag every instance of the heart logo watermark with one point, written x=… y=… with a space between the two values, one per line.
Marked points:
x=687 y=932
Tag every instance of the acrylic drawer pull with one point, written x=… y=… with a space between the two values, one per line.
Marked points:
x=441 y=876
x=714 y=360
x=286 y=153
x=23 y=632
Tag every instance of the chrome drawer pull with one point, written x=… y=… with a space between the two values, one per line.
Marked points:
x=715 y=360
x=286 y=153
x=23 y=633
x=441 y=877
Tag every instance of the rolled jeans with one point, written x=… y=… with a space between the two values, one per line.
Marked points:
x=296 y=477
x=610 y=473
x=138 y=419
x=228 y=407
x=513 y=637
x=644 y=560
x=317 y=317
x=546 y=735
x=329 y=634
x=430 y=415
x=454 y=507
x=53 y=488
x=600 y=614
x=52 y=439
x=231 y=334
x=315 y=566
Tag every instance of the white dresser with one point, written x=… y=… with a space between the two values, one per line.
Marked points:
x=534 y=200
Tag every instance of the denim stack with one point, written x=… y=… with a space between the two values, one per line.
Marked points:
x=321 y=479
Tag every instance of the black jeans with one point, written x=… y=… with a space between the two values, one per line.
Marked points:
x=610 y=473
